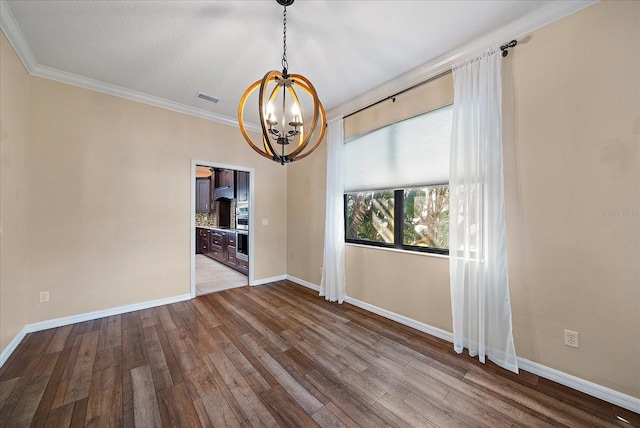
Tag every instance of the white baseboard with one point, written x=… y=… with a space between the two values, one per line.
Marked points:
x=607 y=394
x=6 y=352
x=303 y=283
x=59 y=322
x=268 y=280
x=425 y=328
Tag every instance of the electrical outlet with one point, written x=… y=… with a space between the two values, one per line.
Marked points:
x=571 y=338
x=44 y=296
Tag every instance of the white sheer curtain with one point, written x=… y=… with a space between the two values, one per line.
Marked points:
x=477 y=241
x=333 y=280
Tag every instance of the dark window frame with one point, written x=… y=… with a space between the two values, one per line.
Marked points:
x=398 y=232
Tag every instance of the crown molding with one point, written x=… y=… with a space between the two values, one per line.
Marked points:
x=12 y=31
x=16 y=38
x=118 y=91
x=553 y=11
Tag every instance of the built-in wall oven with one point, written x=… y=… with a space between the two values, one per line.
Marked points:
x=242 y=217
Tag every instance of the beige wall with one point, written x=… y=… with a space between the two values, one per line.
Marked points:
x=109 y=199
x=108 y=212
x=573 y=154
x=306 y=187
x=14 y=96
x=576 y=156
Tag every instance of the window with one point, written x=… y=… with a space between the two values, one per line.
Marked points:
x=371 y=218
x=396 y=183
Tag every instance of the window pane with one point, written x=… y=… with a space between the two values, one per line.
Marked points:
x=426 y=217
x=370 y=216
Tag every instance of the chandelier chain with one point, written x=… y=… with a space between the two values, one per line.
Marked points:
x=285 y=64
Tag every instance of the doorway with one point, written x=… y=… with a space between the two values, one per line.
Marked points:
x=221 y=218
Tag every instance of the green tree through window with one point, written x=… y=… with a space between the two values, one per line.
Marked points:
x=371 y=218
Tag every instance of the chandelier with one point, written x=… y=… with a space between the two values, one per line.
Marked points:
x=292 y=125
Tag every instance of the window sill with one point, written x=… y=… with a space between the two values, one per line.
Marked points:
x=397 y=250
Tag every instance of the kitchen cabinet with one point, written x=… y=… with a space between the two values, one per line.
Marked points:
x=221 y=245
x=224 y=186
x=230 y=254
x=242 y=186
x=217 y=245
x=202 y=241
x=243 y=266
x=203 y=202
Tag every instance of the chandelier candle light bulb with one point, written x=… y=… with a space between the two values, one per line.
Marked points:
x=288 y=87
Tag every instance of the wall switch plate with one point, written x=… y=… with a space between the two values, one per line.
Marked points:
x=571 y=338
x=265 y=222
x=44 y=296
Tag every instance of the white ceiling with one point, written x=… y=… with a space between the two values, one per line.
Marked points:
x=164 y=52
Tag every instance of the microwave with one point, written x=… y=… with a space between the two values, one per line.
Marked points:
x=242 y=217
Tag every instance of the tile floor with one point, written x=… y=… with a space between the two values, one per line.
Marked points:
x=212 y=276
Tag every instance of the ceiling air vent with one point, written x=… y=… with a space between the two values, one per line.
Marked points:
x=206 y=97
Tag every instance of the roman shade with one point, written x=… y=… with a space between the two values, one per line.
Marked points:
x=410 y=153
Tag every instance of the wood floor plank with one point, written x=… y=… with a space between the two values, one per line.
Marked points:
x=63 y=383
x=134 y=351
x=6 y=388
x=314 y=352
x=184 y=349
x=479 y=395
x=145 y=404
x=258 y=378
x=345 y=400
x=276 y=340
x=200 y=382
x=165 y=318
x=104 y=407
x=114 y=331
x=59 y=339
x=210 y=319
x=28 y=356
x=219 y=411
x=274 y=355
x=157 y=360
x=169 y=356
x=80 y=381
x=303 y=397
x=25 y=408
x=42 y=413
x=558 y=411
x=60 y=417
x=252 y=407
x=176 y=408
x=400 y=414
x=286 y=411
x=149 y=317
x=79 y=413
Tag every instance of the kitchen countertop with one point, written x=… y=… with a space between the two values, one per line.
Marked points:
x=226 y=229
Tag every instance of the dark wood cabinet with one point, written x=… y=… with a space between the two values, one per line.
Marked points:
x=242 y=186
x=203 y=202
x=243 y=266
x=221 y=245
x=217 y=243
x=202 y=241
x=224 y=186
x=230 y=254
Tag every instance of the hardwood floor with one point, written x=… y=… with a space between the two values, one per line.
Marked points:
x=273 y=355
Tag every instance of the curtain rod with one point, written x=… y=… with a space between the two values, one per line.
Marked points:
x=504 y=48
